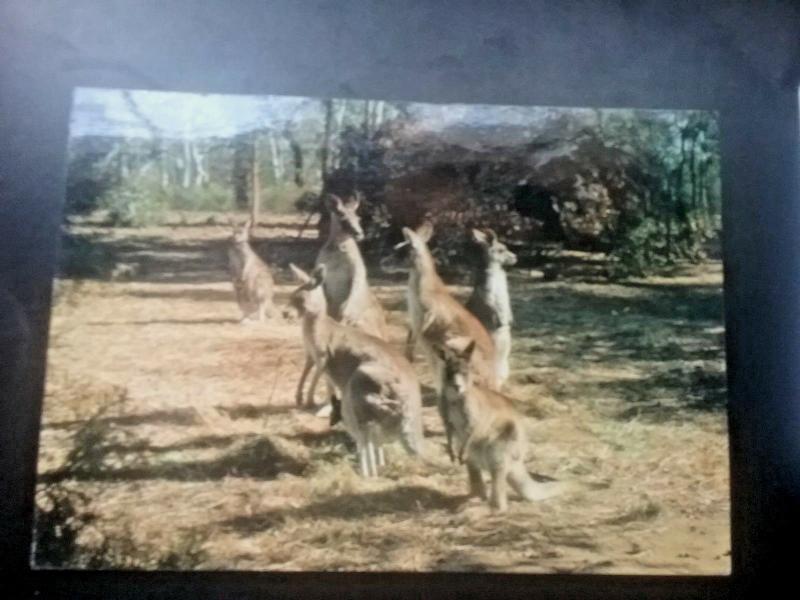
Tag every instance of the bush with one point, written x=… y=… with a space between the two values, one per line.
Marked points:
x=82 y=257
x=137 y=202
x=61 y=516
x=212 y=197
x=141 y=201
x=639 y=252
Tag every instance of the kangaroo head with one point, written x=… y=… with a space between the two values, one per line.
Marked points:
x=241 y=233
x=344 y=215
x=309 y=298
x=494 y=251
x=418 y=242
x=457 y=356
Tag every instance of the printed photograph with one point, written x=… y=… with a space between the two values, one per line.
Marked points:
x=338 y=334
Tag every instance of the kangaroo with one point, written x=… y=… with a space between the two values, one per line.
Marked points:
x=489 y=301
x=489 y=432
x=436 y=316
x=252 y=279
x=346 y=288
x=381 y=398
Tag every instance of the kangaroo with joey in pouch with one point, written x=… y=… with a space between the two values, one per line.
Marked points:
x=379 y=391
x=346 y=287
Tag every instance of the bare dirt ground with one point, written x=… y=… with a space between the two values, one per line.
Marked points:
x=178 y=427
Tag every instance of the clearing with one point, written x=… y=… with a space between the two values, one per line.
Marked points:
x=177 y=427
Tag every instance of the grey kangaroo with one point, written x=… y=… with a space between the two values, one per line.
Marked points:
x=251 y=277
x=490 y=301
x=349 y=298
x=488 y=431
x=379 y=390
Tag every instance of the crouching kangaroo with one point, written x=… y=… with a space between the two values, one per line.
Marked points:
x=379 y=391
x=346 y=288
x=490 y=302
x=488 y=431
x=252 y=279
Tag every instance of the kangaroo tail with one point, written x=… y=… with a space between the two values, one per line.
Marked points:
x=531 y=490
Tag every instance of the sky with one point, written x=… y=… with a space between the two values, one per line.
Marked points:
x=135 y=113
x=175 y=114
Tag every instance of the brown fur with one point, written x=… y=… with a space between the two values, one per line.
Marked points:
x=251 y=277
x=379 y=390
x=490 y=433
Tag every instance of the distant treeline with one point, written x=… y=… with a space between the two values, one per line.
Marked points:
x=642 y=186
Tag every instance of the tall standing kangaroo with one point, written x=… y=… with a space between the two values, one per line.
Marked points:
x=436 y=317
x=381 y=399
x=252 y=279
x=490 y=433
x=349 y=298
x=490 y=302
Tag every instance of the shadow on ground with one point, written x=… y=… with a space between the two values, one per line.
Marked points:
x=401 y=500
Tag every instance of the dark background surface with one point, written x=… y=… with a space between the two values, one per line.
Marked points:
x=739 y=58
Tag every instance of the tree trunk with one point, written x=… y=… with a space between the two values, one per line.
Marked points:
x=366 y=116
x=275 y=157
x=242 y=162
x=340 y=114
x=124 y=171
x=162 y=163
x=335 y=160
x=297 y=157
x=326 y=139
x=693 y=177
x=201 y=175
x=255 y=205
x=377 y=114
x=187 y=163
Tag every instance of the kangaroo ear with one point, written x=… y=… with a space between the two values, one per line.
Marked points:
x=491 y=236
x=428 y=320
x=354 y=201
x=425 y=231
x=480 y=237
x=318 y=275
x=333 y=202
x=440 y=352
x=466 y=353
x=458 y=345
x=301 y=275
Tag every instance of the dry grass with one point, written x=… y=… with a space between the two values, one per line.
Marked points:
x=177 y=424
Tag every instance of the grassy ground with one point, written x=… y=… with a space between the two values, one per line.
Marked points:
x=170 y=439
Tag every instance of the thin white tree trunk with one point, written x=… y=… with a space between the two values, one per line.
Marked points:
x=255 y=205
x=162 y=159
x=378 y=115
x=201 y=175
x=187 y=163
x=276 y=157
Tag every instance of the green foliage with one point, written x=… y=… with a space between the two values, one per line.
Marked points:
x=640 y=251
x=88 y=178
x=82 y=257
x=67 y=532
x=211 y=197
x=641 y=186
x=135 y=203
x=61 y=515
x=140 y=201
